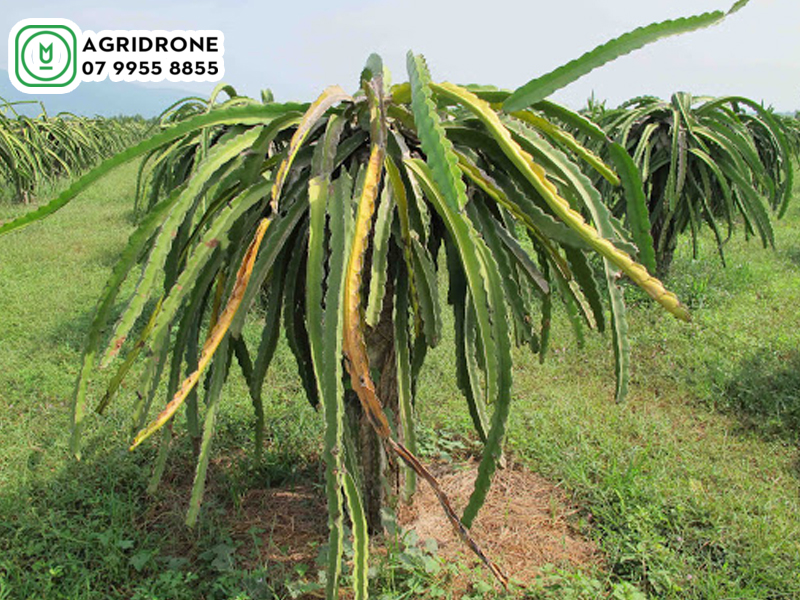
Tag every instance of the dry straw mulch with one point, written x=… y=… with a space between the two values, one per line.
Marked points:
x=524 y=524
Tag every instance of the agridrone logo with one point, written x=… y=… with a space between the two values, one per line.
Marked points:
x=45 y=56
x=53 y=56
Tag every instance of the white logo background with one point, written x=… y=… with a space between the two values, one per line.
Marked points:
x=53 y=56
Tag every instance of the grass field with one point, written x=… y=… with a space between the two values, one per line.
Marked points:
x=691 y=489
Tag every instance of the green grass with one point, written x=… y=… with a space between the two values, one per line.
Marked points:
x=690 y=488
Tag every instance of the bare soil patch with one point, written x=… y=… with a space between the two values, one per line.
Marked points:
x=526 y=523
x=293 y=520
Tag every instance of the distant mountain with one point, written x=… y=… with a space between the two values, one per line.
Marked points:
x=104 y=98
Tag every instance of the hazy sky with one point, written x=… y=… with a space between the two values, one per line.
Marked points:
x=297 y=48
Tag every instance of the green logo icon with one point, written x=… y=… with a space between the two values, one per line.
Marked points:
x=45 y=57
